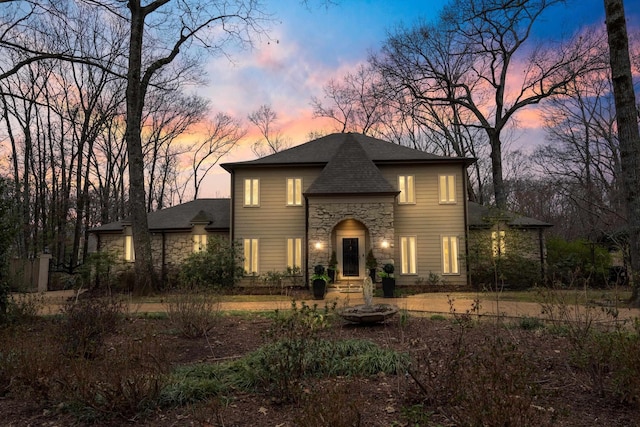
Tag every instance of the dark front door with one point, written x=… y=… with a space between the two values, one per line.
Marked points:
x=350 y=257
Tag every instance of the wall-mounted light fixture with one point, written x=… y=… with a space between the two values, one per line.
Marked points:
x=385 y=244
x=318 y=245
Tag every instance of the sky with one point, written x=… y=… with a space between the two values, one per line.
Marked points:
x=310 y=44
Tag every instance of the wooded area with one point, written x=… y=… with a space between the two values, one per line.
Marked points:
x=97 y=123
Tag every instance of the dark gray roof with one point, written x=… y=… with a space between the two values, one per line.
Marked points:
x=322 y=150
x=480 y=216
x=213 y=212
x=350 y=171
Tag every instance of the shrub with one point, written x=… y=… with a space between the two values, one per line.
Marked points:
x=219 y=266
x=578 y=262
x=85 y=323
x=98 y=271
x=193 y=313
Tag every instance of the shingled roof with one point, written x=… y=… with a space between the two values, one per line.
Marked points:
x=322 y=150
x=212 y=212
x=350 y=171
x=483 y=217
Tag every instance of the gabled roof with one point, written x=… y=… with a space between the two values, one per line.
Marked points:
x=480 y=216
x=320 y=151
x=350 y=171
x=212 y=212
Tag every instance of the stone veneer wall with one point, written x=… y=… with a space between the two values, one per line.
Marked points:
x=377 y=217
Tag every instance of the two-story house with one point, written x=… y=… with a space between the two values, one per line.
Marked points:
x=349 y=193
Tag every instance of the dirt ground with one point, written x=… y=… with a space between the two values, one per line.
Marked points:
x=559 y=393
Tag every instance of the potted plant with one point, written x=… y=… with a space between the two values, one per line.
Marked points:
x=371 y=264
x=319 y=281
x=388 y=281
x=332 y=268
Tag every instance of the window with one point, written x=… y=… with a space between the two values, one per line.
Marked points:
x=498 y=247
x=129 y=253
x=251 y=256
x=408 y=255
x=447 y=188
x=251 y=192
x=450 y=255
x=407 y=189
x=294 y=191
x=294 y=253
x=199 y=242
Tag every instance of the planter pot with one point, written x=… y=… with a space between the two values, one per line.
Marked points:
x=388 y=286
x=319 y=288
x=372 y=274
x=332 y=275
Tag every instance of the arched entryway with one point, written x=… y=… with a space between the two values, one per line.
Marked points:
x=351 y=242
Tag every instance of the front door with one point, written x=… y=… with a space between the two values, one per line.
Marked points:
x=350 y=257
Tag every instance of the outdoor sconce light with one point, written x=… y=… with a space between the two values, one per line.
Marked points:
x=385 y=244
x=318 y=245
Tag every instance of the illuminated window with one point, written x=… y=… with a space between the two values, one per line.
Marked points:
x=251 y=192
x=450 y=255
x=294 y=253
x=251 y=256
x=407 y=189
x=294 y=191
x=199 y=242
x=129 y=253
x=408 y=255
x=447 y=188
x=497 y=243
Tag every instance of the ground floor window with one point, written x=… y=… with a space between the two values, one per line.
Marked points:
x=251 y=256
x=129 y=253
x=199 y=242
x=450 y=255
x=407 y=255
x=294 y=253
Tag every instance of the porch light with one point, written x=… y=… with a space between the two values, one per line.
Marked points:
x=318 y=245
x=385 y=244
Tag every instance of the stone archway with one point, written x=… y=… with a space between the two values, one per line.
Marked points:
x=375 y=214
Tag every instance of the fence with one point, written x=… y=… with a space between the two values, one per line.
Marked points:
x=30 y=275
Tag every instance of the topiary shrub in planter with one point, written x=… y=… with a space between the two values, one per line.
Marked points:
x=388 y=280
x=319 y=281
x=372 y=265
x=332 y=269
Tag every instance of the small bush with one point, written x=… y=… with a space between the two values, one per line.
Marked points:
x=86 y=322
x=577 y=262
x=194 y=314
x=20 y=308
x=336 y=408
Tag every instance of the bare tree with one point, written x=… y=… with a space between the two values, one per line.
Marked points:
x=468 y=59
x=265 y=118
x=628 y=132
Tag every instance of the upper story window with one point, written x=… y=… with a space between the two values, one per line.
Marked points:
x=252 y=192
x=407 y=189
x=498 y=246
x=199 y=242
x=294 y=191
x=447 y=188
x=450 y=255
x=129 y=252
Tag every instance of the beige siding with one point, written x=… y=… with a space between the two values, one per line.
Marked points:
x=273 y=221
x=428 y=220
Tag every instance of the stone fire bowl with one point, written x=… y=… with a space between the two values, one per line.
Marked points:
x=364 y=314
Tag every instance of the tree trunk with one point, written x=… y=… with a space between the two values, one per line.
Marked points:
x=628 y=133
x=496 y=169
x=146 y=277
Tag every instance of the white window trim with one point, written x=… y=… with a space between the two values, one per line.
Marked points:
x=447 y=189
x=296 y=196
x=251 y=251
x=408 y=189
x=294 y=252
x=447 y=261
x=408 y=257
x=251 y=192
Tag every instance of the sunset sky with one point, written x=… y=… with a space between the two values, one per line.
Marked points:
x=311 y=44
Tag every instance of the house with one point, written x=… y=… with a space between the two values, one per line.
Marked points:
x=345 y=193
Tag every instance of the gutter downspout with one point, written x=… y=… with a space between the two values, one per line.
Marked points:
x=306 y=242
